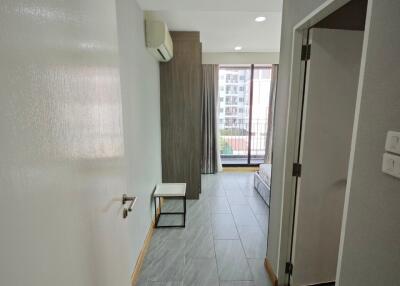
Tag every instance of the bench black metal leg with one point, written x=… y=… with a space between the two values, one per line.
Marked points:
x=157 y=217
x=155 y=212
x=184 y=211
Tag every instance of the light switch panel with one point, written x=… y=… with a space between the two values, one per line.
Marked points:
x=391 y=165
x=393 y=142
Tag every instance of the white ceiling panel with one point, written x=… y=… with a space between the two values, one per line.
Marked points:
x=213 y=5
x=222 y=24
x=222 y=31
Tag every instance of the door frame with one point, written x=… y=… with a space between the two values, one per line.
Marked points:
x=293 y=132
x=304 y=67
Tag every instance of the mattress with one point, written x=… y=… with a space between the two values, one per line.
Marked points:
x=265 y=173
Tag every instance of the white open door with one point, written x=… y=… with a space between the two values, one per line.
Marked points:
x=327 y=123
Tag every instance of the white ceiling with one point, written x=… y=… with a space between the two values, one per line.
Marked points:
x=213 y=5
x=223 y=24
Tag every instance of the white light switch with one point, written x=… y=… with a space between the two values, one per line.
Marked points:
x=391 y=165
x=393 y=142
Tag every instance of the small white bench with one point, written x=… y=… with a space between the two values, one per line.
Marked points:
x=172 y=191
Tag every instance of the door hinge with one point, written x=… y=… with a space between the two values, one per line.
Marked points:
x=305 y=52
x=289 y=268
x=296 y=172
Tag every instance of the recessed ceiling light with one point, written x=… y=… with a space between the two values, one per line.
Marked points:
x=260 y=19
x=238 y=48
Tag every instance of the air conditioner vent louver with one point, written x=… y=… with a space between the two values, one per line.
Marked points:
x=158 y=50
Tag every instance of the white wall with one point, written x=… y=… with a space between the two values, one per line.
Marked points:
x=369 y=252
x=293 y=12
x=68 y=141
x=370 y=248
x=140 y=87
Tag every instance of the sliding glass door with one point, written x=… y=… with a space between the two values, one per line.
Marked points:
x=243 y=113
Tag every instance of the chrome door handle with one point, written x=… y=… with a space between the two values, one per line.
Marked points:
x=125 y=199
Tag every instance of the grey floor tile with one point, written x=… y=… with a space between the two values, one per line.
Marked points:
x=243 y=216
x=172 y=205
x=248 y=183
x=263 y=223
x=249 y=191
x=218 y=185
x=167 y=233
x=216 y=192
x=169 y=283
x=164 y=248
x=170 y=219
x=167 y=268
x=232 y=187
x=202 y=219
x=201 y=272
x=231 y=261
x=259 y=273
x=142 y=281
x=195 y=205
x=219 y=205
x=253 y=240
x=210 y=180
x=237 y=198
x=237 y=283
x=198 y=221
x=210 y=247
x=199 y=242
x=258 y=205
x=224 y=227
x=198 y=213
x=164 y=260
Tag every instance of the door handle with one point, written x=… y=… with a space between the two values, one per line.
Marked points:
x=125 y=199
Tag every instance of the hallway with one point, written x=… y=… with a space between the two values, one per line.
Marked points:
x=224 y=242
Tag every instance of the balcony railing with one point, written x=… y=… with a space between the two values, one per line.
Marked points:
x=234 y=141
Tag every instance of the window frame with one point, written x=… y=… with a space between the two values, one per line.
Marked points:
x=252 y=68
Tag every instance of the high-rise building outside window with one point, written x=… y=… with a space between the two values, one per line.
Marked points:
x=243 y=114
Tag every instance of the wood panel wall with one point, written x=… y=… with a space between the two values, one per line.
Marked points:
x=180 y=85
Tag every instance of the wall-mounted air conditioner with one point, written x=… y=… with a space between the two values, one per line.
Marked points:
x=158 y=40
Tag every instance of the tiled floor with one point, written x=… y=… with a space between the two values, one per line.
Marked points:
x=223 y=244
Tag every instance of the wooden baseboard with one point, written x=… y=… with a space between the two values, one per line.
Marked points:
x=331 y=283
x=143 y=251
x=270 y=271
x=240 y=169
x=142 y=254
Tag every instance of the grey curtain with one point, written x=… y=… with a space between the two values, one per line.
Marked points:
x=271 y=109
x=209 y=120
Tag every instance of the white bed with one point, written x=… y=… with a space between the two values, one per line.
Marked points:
x=262 y=182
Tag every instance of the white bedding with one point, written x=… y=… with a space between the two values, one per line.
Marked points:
x=265 y=173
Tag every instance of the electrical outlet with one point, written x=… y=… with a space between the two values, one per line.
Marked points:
x=391 y=165
x=393 y=142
